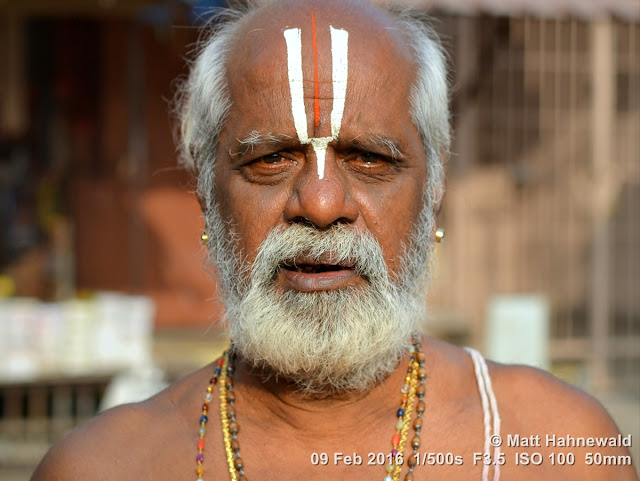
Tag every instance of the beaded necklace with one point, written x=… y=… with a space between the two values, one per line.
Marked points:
x=414 y=386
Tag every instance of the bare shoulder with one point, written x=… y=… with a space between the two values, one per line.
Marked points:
x=92 y=446
x=526 y=396
x=543 y=401
x=126 y=442
x=542 y=414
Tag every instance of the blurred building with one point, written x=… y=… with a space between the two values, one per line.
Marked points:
x=544 y=180
x=93 y=187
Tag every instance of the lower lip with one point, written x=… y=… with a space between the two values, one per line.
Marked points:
x=319 y=281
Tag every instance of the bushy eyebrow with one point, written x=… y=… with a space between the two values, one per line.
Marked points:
x=255 y=139
x=247 y=144
x=367 y=140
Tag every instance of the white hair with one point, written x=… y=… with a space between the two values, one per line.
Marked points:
x=429 y=99
x=203 y=99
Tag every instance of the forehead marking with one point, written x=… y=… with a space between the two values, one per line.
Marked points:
x=316 y=97
x=339 y=71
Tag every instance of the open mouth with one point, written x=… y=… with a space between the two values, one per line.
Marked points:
x=314 y=268
x=311 y=274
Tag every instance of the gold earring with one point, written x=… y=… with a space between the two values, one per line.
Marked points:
x=204 y=238
x=439 y=235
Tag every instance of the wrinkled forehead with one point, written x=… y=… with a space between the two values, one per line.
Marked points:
x=375 y=40
x=317 y=72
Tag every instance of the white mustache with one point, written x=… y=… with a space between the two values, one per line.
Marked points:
x=326 y=341
x=340 y=245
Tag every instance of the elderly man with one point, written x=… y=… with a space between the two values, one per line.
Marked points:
x=317 y=129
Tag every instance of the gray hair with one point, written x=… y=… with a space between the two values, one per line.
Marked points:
x=203 y=99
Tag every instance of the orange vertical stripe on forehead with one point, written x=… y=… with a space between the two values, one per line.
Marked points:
x=316 y=103
x=339 y=73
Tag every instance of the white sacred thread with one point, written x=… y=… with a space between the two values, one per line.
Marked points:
x=339 y=71
x=489 y=409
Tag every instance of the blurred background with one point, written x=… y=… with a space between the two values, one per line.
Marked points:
x=103 y=293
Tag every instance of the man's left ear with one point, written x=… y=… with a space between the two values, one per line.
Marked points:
x=442 y=190
x=202 y=202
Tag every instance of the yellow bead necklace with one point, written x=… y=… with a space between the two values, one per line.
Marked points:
x=412 y=398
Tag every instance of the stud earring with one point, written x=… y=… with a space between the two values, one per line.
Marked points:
x=439 y=235
x=204 y=238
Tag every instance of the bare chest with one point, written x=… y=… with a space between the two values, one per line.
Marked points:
x=453 y=449
x=446 y=452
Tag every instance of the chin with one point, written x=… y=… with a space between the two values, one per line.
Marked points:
x=324 y=342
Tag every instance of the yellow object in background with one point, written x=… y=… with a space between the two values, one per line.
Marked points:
x=7 y=286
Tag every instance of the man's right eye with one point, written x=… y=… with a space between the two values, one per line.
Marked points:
x=269 y=166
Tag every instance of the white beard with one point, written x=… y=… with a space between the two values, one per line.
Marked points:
x=328 y=341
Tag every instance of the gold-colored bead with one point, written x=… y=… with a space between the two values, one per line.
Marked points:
x=410 y=390
x=439 y=234
x=204 y=238
x=224 y=418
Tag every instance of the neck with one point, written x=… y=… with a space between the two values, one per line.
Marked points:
x=283 y=399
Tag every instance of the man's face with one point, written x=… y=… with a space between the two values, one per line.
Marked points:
x=319 y=185
x=374 y=172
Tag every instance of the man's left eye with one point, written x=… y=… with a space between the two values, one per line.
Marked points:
x=370 y=158
x=271 y=158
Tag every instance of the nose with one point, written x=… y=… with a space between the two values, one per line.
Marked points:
x=321 y=202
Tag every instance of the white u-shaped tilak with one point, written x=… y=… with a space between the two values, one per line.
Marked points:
x=339 y=71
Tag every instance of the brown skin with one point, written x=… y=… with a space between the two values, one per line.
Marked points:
x=278 y=432
x=276 y=184
x=279 y=428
